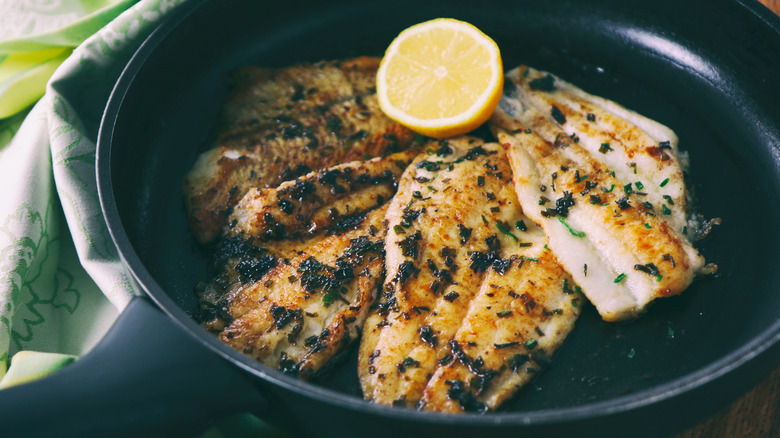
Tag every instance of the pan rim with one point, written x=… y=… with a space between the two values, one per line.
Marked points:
x=767 y=343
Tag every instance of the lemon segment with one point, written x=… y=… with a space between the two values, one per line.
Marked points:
x=440 y=78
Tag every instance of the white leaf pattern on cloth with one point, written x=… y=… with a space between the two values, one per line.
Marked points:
x=48 y=302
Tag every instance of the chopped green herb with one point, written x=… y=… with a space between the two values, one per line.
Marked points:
x=558 y=312
x=664 y=182
x=504 y=229
x=604 y=148
x=665 y=210
x=631 y=353
x=520 y=225
x=503 y=313
x=639 y=185
x=633 y=166
x=531 y=344
x=659 y=277
x=399 y=229
x=531 y=259
x=669 y=199
x=648 y=226
x=480 y=180
x=627 y=189
x=612 y=187
x=329 y=298
x=573 y=232
x=619 y=278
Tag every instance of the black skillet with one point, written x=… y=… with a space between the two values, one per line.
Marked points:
x=708 y=69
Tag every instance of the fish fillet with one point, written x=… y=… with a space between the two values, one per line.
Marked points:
x=606 y=186
x=292 y=295
x=278 y=124
x=474 y=304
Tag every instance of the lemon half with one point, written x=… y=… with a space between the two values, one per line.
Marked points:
x=440 y=78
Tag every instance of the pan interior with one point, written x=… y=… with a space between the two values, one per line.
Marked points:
x=723 y=122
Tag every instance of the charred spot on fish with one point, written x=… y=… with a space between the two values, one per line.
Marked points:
x=517 y=361
x=451 y=296
x=479 y=261
x=473 y=153
x=557 y=115
x=429 y=336
x=409 y=216
x=344 y=271
x=648 y=268
x=334 y=125
x=359 y=135
x=502 y=266
x=301 y=189
x=288 y=366
x=385 y=307
x=545 y=83
x=589 y=185
x=362 y=245
x=506 y=345
x=494 y=245
x=444 y=148
x=219 y=309
x=252 y=269
x=464 y=233
x=231 y=247
x=449 y=255
x=283 y=316
x=459 y=393
x=347 y=223
x=286 y=206
x=564 y=203
x=405 y=271
x=481 y=382
x=430 y=166
x=409 y=245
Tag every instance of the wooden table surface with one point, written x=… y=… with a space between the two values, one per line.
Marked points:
x=757 y=414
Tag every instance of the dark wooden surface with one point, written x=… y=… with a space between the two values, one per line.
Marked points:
x=757 y=414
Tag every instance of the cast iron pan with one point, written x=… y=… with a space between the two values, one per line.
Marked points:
x=708 y=69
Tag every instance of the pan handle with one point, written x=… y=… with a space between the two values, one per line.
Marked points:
x=146 y=377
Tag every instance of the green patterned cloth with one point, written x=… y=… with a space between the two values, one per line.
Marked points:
x=61 y=282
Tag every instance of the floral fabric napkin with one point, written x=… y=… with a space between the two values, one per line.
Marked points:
x=61 y=281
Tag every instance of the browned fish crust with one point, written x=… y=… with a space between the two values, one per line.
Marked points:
x=278 y=124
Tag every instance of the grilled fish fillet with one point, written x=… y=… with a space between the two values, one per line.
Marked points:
x=473 y=304
x=278 y=124
x=606 y=186
x=293 y=296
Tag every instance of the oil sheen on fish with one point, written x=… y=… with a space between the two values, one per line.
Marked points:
x=278 y=124
x=292 y=296
x=606 y=186
x=473 y=304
